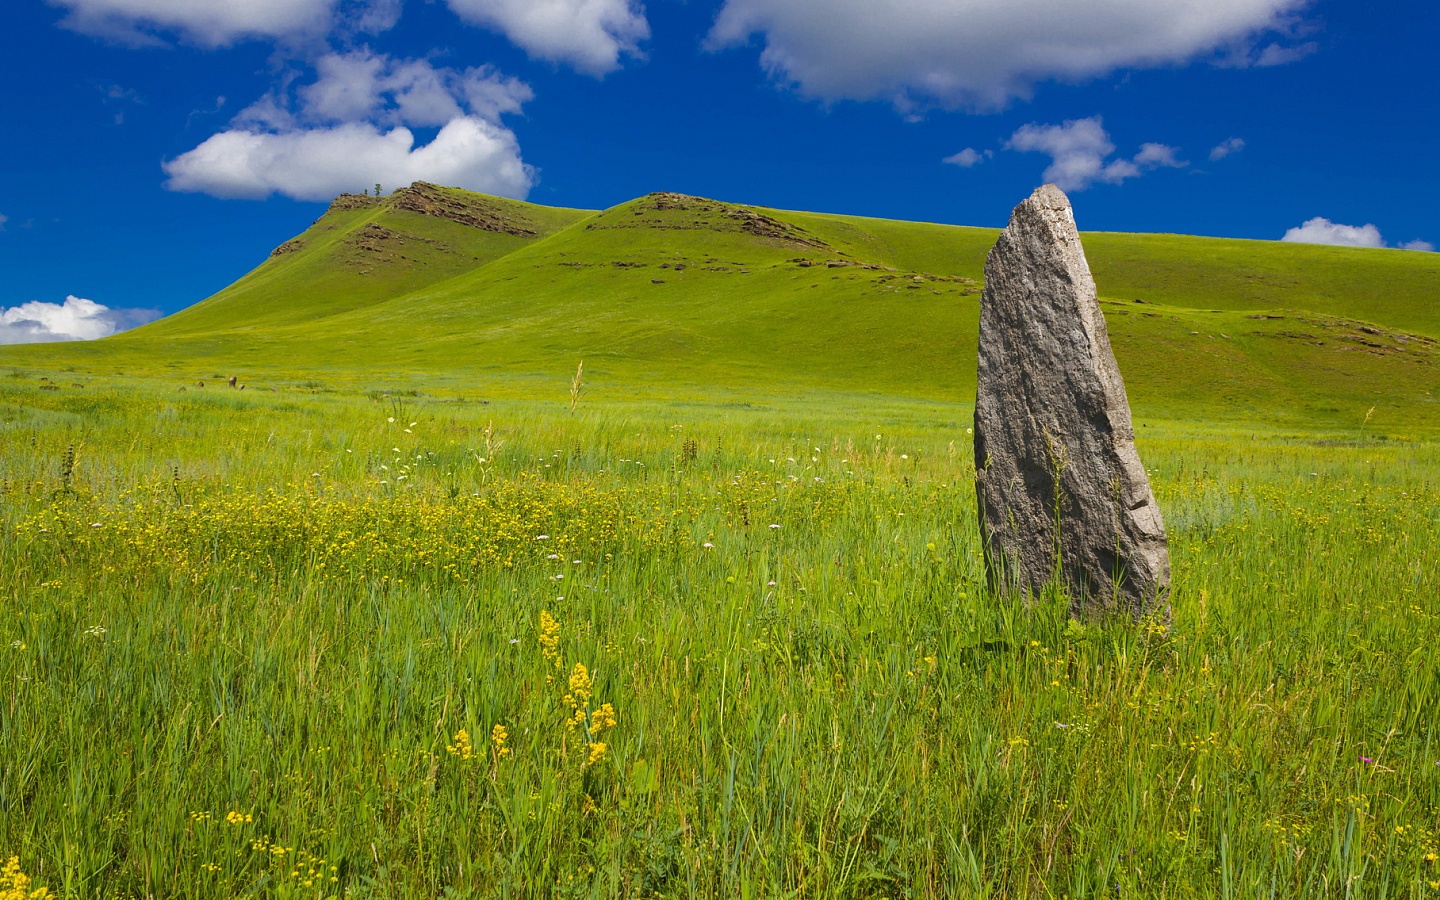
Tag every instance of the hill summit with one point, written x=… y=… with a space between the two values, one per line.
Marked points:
x=437 y=282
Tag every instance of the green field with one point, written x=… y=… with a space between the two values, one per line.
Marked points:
x=678 y=295
x=727 y=608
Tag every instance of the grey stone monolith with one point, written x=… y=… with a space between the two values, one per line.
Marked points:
x=1062 y=493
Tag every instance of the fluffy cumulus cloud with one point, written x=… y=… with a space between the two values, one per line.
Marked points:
x=1321 y=230
x=983 y=53
x=1159 y=156
x=1080 y=154
x=1225 y=148
x=1078 y=151
x=209 y=22
x=351 y=127
x=77 y=319
x=319 y=163
x=590 y=35
x=373 y=87
x=968 y=158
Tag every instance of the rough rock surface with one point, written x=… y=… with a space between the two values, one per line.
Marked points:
x=1053 y=438
x=669 y=211
x=458 y=206
x=467 y=209
x=352 y=201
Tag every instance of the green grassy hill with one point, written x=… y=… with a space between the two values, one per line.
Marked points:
x=670 y=293
x=366 y=250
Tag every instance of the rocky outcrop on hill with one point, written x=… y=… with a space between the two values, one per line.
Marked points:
x=428 y=199
x=1342 y=335
x=474 y=211
x=659 y=211
x=375 y=244
x=346 y=202
x=763 y=226
x=376 y=239
x=667 y=200
x=1062 y=492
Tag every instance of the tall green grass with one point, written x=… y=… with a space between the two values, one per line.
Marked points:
x=237 y=650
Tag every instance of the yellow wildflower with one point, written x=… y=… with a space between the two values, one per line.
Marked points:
x=15 y=884
x=601 y=719
x=238 y=818
x=462 y=746
x=549 y=637
x=580 y=686
x=597 y=753
x=498 y=737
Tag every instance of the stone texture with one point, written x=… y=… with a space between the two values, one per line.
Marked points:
x=1053 y=438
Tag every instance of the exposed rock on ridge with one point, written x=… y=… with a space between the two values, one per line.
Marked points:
x=1062 y=492
x=431 y=200
x=669 y=211
x=346 y=202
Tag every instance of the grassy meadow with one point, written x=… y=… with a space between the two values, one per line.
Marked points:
x=405 y=617
x=333 y=640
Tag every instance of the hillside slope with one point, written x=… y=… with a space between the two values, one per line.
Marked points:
x=671 y=293
x=365 y=250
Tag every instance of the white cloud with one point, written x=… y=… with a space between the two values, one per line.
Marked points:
x=350 y=128
x=1080 y=151
x=968 y=158
x=346 y=88
x=319 y=163
x=366 y=86
x=590 y=35
x=1158 y=156
x=1077 y=150
x=1226 y=148
x=1320 y=230
x=209 y=22
x=369 y=16
x=983 y=53
x=77 y=319
x=1281 y=55
x=3 y=220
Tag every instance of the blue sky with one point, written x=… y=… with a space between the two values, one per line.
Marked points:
x=156 y=150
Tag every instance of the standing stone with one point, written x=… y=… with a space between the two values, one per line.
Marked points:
x=1062 y=493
